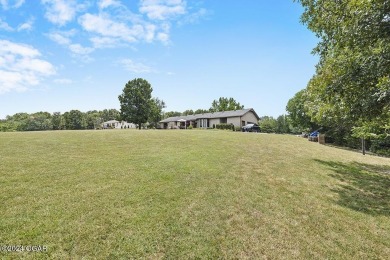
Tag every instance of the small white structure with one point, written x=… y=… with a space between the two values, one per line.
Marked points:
x=118 y=125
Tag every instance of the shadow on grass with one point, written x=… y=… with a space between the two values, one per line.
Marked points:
x=363 y=187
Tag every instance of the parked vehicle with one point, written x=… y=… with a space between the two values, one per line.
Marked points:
x=313 y=136
x=251 y=128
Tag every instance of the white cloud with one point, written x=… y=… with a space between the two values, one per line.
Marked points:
x=103 y=25
x=60 y=12
x=7 y=4
x=21 y=66
x=59 y=38
x=135 y=67
x=104 y=42
x=27 y=26
x=162 y=9
x=80 y=50
x=107 y=3
x=64 y=38
x=5 y=26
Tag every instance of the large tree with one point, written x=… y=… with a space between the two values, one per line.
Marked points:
x=74 y=120
x=136 y=101
x=225 y=104
x=352 y=80
x=298 y=113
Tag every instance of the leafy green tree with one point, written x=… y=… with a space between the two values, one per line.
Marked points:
x=18 y=121
x=351 y=86
x=298 y=112
x=201 y=111
x=6 y=126
x=156 y=112
x=283 y=124
x=57 y=121
x=109 y=114
x=188 y=112
x=136 y=101
x=171 y=114
x=74 y=120
x=225 y=104
x=93 y=119
x=268 y=124
x=39 y=121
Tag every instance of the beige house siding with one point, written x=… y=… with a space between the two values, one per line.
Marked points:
x=214 y=121
x=249 y=118
x=234 y=120
x=236 y=117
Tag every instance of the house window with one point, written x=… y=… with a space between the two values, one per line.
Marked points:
x=242 y=123
x=203 y=123
x=223 y=120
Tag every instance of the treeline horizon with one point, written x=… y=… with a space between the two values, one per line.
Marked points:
x=70 y=120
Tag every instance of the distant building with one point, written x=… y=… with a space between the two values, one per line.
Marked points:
x=118 y=124
x=235 y=117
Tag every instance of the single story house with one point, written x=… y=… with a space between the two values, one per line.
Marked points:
x=118 y=124
x=236 y=117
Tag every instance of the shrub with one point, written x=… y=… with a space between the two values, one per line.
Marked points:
x=190 y=127
x=225 y=126
x=381 y=146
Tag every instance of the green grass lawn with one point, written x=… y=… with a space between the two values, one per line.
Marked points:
x=190 y=194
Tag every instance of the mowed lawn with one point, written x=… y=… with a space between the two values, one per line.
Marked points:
x=159 y=194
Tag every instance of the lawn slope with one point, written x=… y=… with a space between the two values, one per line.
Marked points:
x=190 y=194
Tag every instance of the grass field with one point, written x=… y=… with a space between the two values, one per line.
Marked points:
x=190 y=194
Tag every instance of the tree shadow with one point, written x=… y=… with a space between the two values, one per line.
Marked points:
x=363 y=187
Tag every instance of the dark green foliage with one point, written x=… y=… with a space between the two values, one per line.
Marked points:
x=57 y=121
x=225 y=104
x=74 y=120
x=381 y=146
x=283 y=125
x=109 y=114
x=38 y=122
x=156 y=112
x=268 y=124
x=187 y=112
x=224 y=126
x=171 y=114
x=350 y=92
x=298 y=112
x=136 y=102
x=201 y=111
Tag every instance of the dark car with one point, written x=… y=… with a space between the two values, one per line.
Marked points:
x=251 y=128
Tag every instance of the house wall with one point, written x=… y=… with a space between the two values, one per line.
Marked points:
x=249 y=117
x=213 y=121
x=234 y=120
x=171 y=124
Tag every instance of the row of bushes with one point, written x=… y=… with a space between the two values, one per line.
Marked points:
x=227 y=127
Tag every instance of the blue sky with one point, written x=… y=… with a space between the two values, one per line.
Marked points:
x=58 y=55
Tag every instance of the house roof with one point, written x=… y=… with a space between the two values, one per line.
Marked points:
x=111 y=122
x=232 y=113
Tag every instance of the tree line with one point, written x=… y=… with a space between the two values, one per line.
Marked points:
x=71 y=120
x=348 y=98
